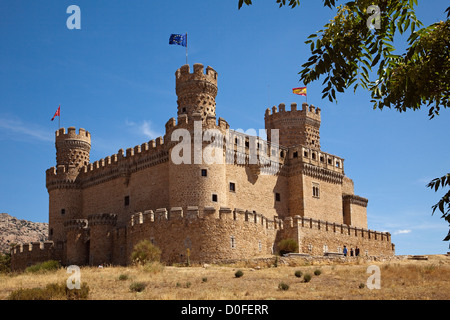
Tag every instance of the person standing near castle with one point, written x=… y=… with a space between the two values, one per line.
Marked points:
x=345 y=251
x=356 y=251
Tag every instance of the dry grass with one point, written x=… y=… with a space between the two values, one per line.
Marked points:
x=405 y=279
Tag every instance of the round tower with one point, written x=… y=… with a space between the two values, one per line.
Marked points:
x=196 y=91
x=296 y=127
x=77 y=244
x=201 y=179
x=101 y=238
x=72 y=150
x=72 y=153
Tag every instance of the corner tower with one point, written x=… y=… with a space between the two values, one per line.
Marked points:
x=72 y=150
x=72 y=153
x=196 y=91
x=296 y=127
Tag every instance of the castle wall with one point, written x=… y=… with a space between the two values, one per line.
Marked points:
x=327 y=205
x=257 y=192
x=25 y=255
x=211 y=235
x=317 y=237
x=146 y=188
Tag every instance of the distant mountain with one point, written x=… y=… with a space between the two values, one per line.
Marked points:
x=13 y=230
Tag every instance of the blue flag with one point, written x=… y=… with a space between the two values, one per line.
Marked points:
x=179 y=39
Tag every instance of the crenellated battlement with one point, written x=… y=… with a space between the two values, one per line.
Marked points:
x=309 y=223
x=183 y=74
x=309 y=111
x=191 y=213
x=71 y=134
x=27 y=254
x=295 y=126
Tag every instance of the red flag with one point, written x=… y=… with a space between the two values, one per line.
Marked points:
x=57 y=113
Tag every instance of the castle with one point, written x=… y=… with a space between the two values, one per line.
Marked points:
x=220 y=193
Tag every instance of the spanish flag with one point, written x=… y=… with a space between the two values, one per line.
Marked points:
x=301 y=91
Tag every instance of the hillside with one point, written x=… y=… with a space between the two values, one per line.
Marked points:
x=13 y=230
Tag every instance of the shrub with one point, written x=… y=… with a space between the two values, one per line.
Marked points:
x=238 y=274
x=287 y=245
x=204 y=279
x=49 y=265
x=317 y=272
x=51 y=291
x=5 y=263
x=307 y=277
x=137 y=286
x=144 y=252
x=362 y=285
x=283 y=286
x=298 y=273
x=123 y=277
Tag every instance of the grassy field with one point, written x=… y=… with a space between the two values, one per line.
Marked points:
x=402 y=279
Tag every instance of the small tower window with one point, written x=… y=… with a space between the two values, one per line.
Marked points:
x=316 y=190
x=214 y=197
x=126 y=200
x=295 y=154
x=204 y=173
x=63 y=211
x=277 y=197
x=233 y=242
x=232 y=187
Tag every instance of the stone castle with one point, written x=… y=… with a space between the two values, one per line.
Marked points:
x=256 y=192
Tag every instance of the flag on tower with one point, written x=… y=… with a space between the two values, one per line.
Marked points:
x=301 y=91
x=57 y=113
x=179 y=39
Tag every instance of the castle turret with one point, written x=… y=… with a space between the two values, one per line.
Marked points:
x=101 y=244
x=296 y=127
x=196 y=91
x=72 y=150
x=72 y=153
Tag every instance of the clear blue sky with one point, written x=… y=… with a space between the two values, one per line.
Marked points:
x=115 y=78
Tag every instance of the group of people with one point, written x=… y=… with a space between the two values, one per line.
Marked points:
x=352 y=253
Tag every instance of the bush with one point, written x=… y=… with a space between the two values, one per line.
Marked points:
x=317 y=272
x=298 y=273
x=307 y=277
x=238 y=274
x=283 y=286
x=287 y=246
x=204 y=279
x=144 y=252
x=49 y=265
x=123 y=277
x=51 y=291
x=137 y=286
x=5 y=263
x=362 y=285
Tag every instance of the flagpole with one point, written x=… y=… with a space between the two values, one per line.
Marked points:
x=186 y=49
x=59 y=118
